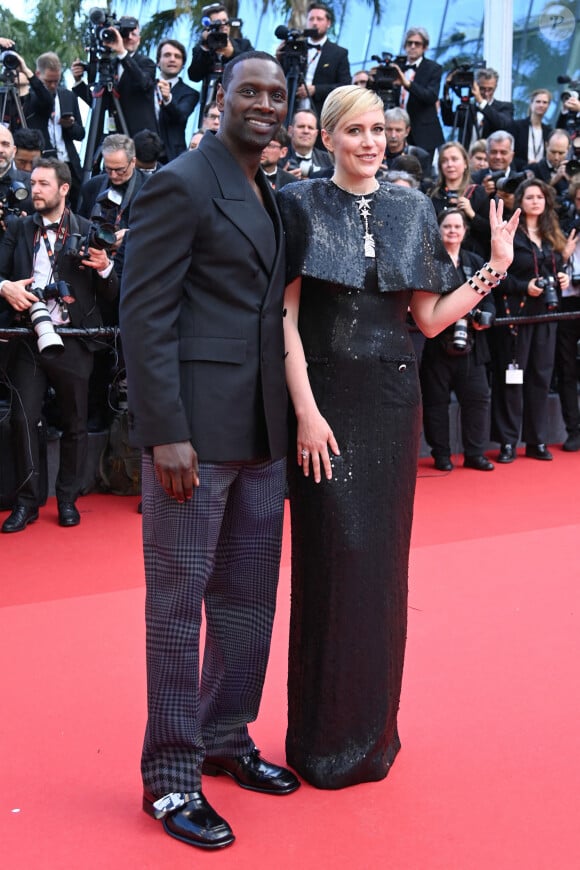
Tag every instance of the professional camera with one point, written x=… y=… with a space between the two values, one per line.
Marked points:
x=461 y=334
x=484 y=319
x=550 y=294
x=450 y=197
x=296 y=41
x=510 y=184
x=573 y=166
x=385 y=79
x=463 y=77
x=47 y=340
x=572 y=91
x=217 y=39
x=9 y=59
x=12 y=197
x=102 y=25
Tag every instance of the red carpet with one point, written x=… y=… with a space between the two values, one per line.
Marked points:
x=489 y=775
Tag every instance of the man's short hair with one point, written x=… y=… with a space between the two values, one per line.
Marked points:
x=323 y=7
x=212 y=9
x=417 y=31
x=49 y=61
x=499 y=136
x=61 y=169
x=487 y=73
x=282 y=137
x=478 y=147
x=176 y=44
x=560 y=134
x=304 y=112
x=397 y=114
x=246 y=55
x=29 y=139
x=119 y=142
x=148 y=146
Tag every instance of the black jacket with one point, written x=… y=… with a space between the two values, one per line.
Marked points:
x=173 y=118
x=39 y=107
x=426 y=130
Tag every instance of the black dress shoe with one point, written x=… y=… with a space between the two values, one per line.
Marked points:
x=443 y=463
x=572 y=442
x=68 y=515
x=538 y=451
x=19 y=518
x=480 y=463
x=251 y=771
x=507 y=453
x=191 y=819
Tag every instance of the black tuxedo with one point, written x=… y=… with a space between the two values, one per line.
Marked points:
x=99 y=183
x=173 y=118
x=497 y=115
x=202 y=62
x=520 y=130
x=426 y=130
x=544 y=172
x=201 y=322
x=332 y=70
x=39 y=108
x=280 y=178
x=68 y=373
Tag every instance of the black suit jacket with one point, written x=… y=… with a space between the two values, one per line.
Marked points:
x=173 y=118
x=136 y=89
x=497 y=115
x=201 y=310
x=426 y=130
x=202 y=62
x=520 y=130
x=39 y=107
x=99 y=183
x=332 y=70
x=16 y=262
x=543 y=171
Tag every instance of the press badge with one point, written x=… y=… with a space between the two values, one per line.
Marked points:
x=514 y=374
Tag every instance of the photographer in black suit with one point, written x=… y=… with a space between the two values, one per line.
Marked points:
x=175 y=100
x=207 y=53
x=485 y=114
x=34 y=255
x=420 y=82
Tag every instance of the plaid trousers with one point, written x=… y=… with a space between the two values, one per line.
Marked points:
x=221 y=549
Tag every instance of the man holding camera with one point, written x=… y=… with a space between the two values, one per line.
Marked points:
x=11 y=181
x=553 y=168
x=215 y=45
x=36 y=270
x=485 y=114
x=134 y=77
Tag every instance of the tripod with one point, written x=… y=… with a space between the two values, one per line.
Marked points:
x=105 y=99
x=209 y=86
x=294 y=61
x=462 y=129
x=10 y=103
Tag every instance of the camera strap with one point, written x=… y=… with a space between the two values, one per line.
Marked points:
x=41 y=234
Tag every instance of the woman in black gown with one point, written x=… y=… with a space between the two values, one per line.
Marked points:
x=359 y=254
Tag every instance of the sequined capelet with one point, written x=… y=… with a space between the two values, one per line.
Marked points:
x=324 y=238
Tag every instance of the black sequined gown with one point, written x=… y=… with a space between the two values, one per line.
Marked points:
x=350 y=535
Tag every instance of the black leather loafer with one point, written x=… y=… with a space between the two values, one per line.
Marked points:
x=507 y=453
x=68 y=515
x=191 y=819
x=19 y=518
x=443 y=463
x=538 y=451
x=572 y=442
x=254 y=773
x=479 y=463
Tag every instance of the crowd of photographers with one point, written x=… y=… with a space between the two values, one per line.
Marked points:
x=61 y=219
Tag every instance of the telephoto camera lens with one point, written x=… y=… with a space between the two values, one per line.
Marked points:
x=47 y=340
x=460 y=334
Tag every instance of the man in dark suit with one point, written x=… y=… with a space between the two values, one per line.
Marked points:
x=420 y=82
x=552 y=167
x=484 y=115
x=304 y=160
x=134 y=77
x=328 y=66
x=273 y=158
x=397 y=130
x=216 y=47
x=36 y=246
x=175 y=100
x=9 y=204
x=54 y=111
x=201 y=322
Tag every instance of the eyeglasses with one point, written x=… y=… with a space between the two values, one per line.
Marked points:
x=117 y=170
x=273 y=144
x=414 y=42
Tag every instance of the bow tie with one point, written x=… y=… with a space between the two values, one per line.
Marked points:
x=317 y=47
x=409 y=66
x=54 y=227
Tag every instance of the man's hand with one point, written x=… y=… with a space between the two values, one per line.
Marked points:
x=116 y=43
x=77 y=69
x=176 y=469
x=97 y=259
x=17 y=295
x=165 y=90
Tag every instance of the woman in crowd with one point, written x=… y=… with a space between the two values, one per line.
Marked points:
x=456 y=360
x=360 y=253
x=523 y=354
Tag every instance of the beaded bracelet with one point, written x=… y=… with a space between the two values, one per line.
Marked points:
x=483 y=291
x=499 y=276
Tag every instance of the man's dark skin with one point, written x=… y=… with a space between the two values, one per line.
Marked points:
x=253 y=108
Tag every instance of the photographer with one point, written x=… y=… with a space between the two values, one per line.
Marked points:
x=215 y=41
x=456 y=360
x=134 y=75
x=485 y=114
x=553 y=168
x=523 y=355
x=500 y=155
x=69 y=287
x=11 y=181
x=397 y=130
x=175 y=100
x=568 y=332
x=327 y=64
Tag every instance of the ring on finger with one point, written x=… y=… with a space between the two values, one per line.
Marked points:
x=305 y=454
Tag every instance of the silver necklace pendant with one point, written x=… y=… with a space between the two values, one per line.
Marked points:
x=364 y=208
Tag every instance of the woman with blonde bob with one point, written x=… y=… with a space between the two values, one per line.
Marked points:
x=360 y=253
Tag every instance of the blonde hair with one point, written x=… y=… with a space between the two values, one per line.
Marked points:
x=345 y=101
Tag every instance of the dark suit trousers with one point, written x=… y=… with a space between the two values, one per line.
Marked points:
x=220 y=550
x=514 y=404
x=567 y=339
x=441 y=373
x=68 y=373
